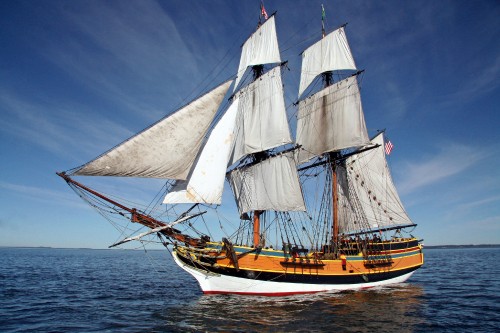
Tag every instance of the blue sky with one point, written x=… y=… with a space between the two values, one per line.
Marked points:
x=78 y=77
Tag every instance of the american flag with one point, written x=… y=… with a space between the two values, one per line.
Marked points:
x=388 y=147
x=263 y=10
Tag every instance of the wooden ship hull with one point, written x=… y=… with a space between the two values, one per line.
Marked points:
x=221 y=269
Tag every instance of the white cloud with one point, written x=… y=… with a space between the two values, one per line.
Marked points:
x=491 y=223
x=46 y=195
x=478 y=203
x=483 y=78
x=450 y=161
x=127 y=53
x=53 y=128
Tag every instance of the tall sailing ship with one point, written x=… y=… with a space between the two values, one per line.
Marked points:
x=317 y=213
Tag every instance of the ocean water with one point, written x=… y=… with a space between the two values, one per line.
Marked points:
x=80 y=290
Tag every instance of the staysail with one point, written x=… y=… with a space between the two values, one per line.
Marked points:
x=371 y=194
x=331 y=120
x=260 y=48
x=167 y=149
x=328 y=54
x=205 y=183
x=272 y=184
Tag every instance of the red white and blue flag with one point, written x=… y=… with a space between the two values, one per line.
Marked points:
x=388 y=147
x=263 y=10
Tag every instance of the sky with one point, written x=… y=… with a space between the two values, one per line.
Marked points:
x=78 y=77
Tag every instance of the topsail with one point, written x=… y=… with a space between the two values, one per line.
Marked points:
x=260 y=48
x=331 y=120
x=330 y=53
x=262 y=122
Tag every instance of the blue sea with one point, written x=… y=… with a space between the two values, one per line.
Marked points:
x=82 y=290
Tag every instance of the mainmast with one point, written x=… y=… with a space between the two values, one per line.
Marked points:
x=334 y=156
x=335 y=218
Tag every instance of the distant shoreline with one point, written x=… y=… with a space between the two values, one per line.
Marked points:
x=480 y=246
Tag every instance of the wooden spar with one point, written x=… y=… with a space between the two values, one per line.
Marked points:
x=256 y=228
x=335 y=225
x=344 y=157
x=158 y=229
x=69 y=180
x=138 y=217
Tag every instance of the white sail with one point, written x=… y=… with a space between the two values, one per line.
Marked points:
x=260 y=48
x=272 y=184
x=262 y=123
x=372 y=189
x=206 y=182
x=167 y=149
x=330 y=53
x=331 y=120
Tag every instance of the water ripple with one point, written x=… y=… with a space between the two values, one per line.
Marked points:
x=64 y=290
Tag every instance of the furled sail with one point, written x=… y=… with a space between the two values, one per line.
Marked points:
x=330 y=53
x=331 y=120
x=371 y=194
x=260 y=48
x=262 y=123
x=272 y=184
x=167 y=149
x=205 y=183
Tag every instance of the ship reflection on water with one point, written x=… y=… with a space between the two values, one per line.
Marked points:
x=395 y=308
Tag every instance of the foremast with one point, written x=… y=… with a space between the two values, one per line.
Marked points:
x=239 y=146
x=263 y=126
x=257 y=71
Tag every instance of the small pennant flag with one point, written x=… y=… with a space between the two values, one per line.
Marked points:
x=263 y=10
x=388 y=147
x=323 y=16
